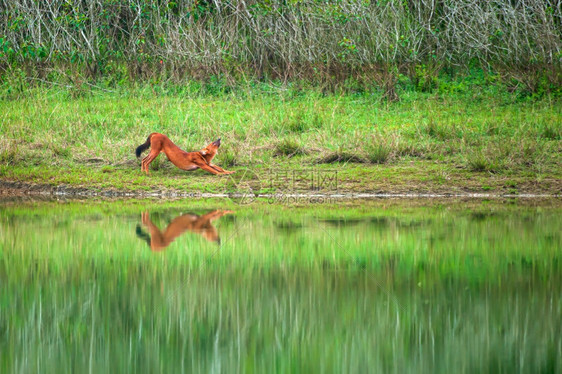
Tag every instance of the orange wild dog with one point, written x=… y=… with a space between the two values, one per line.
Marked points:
x=158 y=240
x=182 y=159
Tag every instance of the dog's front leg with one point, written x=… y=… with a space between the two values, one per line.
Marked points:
x=210 y=169
x=221 y=169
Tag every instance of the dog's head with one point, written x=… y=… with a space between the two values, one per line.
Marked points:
x=211 y=150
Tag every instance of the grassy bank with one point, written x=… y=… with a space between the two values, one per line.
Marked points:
x=479 y=139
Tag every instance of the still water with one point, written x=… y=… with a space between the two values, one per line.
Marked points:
x=210 y=286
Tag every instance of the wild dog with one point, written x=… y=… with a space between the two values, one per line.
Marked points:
x=182 y=159
x=158 y=240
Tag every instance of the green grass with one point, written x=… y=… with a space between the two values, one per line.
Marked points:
x=51 y=137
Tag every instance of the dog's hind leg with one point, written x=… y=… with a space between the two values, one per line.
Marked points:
x=143 y=163
x=148 y=159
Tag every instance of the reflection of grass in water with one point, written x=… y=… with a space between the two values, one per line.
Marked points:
x=443 y=287
x=275 y=321
x=473 y=243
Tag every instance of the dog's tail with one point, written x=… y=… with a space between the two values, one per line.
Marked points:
x=143 y=147
x=143 y=235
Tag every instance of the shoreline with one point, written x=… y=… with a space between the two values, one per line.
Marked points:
x=21 y=189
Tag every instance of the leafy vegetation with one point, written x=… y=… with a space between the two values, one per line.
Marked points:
x=351 y=45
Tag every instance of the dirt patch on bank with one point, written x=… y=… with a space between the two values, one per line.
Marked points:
x=13 y=188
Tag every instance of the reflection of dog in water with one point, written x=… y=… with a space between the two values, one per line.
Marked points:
x=158 y=240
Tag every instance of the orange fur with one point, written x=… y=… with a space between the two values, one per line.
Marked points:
x=159 y=143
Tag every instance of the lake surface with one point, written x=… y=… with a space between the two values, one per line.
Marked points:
x=211 y=286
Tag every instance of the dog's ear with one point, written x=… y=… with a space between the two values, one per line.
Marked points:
x=203 y=152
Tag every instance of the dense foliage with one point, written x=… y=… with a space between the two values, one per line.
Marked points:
x=365 y=43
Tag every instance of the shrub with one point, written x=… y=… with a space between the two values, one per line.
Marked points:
x=289 y=148
x=340 y=156
x=378 y=153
